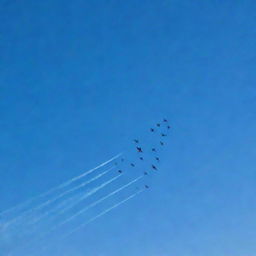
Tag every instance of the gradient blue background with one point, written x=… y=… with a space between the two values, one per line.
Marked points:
x=79 y=79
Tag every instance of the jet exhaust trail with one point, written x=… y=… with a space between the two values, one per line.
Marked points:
x=65 y=184
x=97 y=202
x=90 y=193
x=66 y=193
x=103 y=213
x=24 y=214
x=93 y=191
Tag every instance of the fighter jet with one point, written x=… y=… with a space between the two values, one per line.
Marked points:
x=168 y=127
x=161 y=143
x=152 y=130
x=158 y=125
x=163 y=135
x=136 y=141
x=120 y=171
x=157 y=159
x=153 y=149
x=165 y=120
x=153 y=167
x=139 y=149
x=141 y=158
x=132 y=164
x=146 y=186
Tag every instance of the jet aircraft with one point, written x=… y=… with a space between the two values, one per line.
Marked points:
x=139 y=149
x=154 y=167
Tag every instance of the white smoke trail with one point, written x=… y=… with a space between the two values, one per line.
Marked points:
x=26 y=213
x=83 y=198
x=103 y=213
x=90 y=193
x=66 y=193
x=97 y=202
x=65 y=184
x=58 y=207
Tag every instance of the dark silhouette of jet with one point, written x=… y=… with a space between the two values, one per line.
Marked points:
x=146 y=186
x=141 y=158
x=153 y=167
x=132 y=164
x=163 y=135
x=161 y=143
x=139 y=149
x=165 y=120
x=153 y=149
x=157 y=159
x=168 y=127
x=152 y=130
x=158 y=125
x=120 y=171
x=136 y=141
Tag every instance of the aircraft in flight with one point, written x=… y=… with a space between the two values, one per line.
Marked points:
x=154 y=167
x=139 y=149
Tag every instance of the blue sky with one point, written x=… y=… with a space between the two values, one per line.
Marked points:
x=80 y=79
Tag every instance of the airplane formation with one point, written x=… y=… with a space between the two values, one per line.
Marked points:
x=140 y=150
x=67 y=201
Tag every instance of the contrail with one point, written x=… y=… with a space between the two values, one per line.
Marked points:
x=103 y=213
x=65 y=193
x=85 y=196
x=59 y=187
x=58 y=207
x=93 y=191
x=97 y=202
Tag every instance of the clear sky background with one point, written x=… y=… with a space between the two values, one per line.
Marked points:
x=79 y=79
